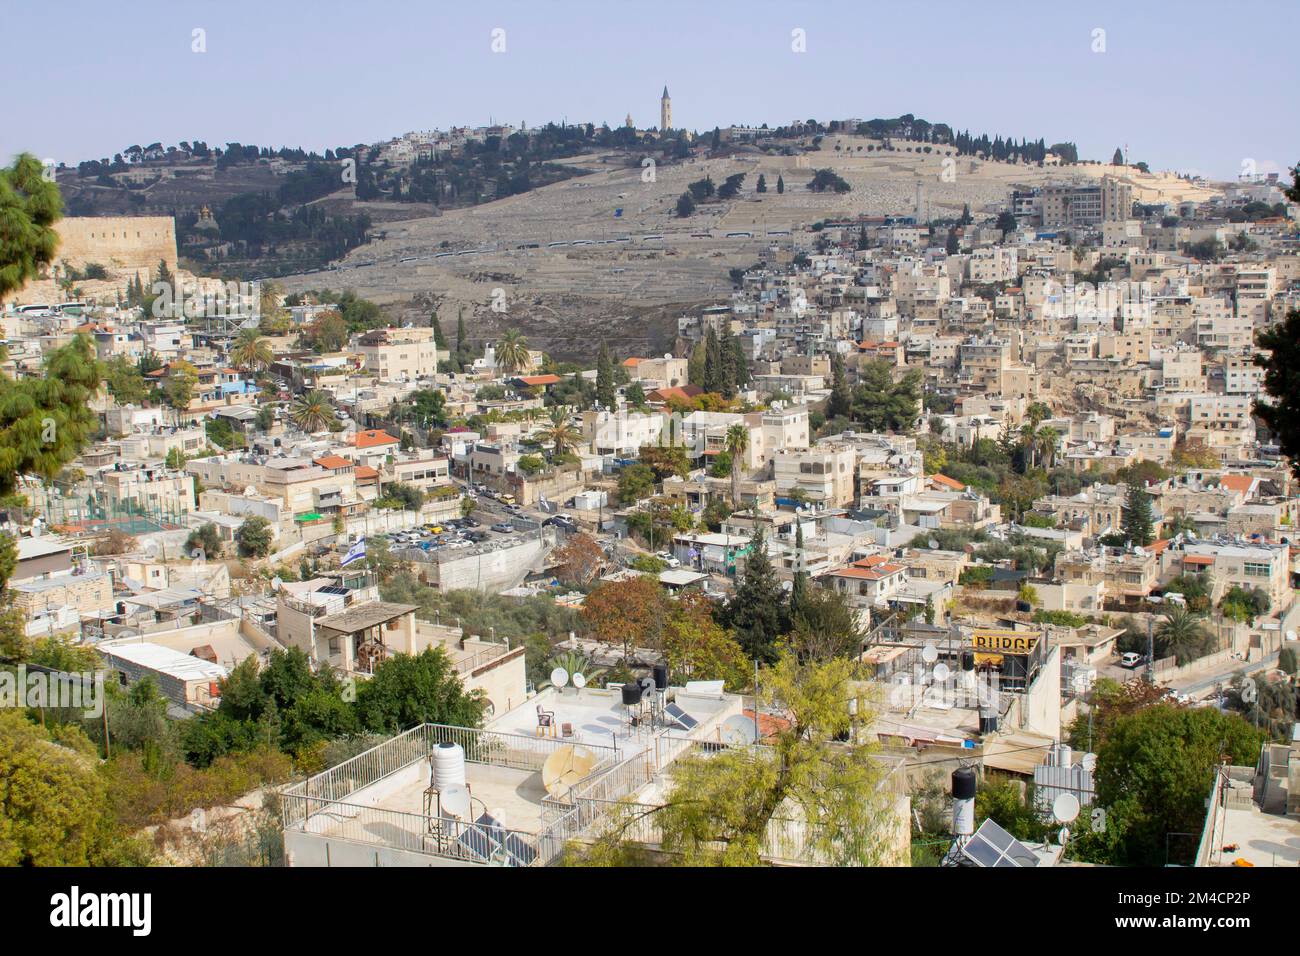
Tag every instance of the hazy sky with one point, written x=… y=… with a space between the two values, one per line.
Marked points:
x=1192 y=86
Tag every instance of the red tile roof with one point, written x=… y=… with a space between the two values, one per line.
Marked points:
x=531 y=380
x=365 y=471
x=372 y=438
x=950 y=482
x=333 y=461
x=1239 y=483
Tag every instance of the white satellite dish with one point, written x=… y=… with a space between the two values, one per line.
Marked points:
x=1065 y=808
x=934 y=545
x=929 y=653
x=941 y=672
x=580 y=681
x=738 y=730
x=276 y=583
x=559 y=677
x=455 y=801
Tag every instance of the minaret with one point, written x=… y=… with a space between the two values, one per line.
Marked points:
x=665 y=112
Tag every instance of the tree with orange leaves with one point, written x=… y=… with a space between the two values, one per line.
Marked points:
x=579 y=560
x=631 y=613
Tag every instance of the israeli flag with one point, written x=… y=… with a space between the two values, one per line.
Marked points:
x=357 y=552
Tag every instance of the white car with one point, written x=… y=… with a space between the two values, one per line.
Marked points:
x=1130 y=660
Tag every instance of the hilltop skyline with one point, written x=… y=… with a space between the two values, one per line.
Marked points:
x=1040 y=78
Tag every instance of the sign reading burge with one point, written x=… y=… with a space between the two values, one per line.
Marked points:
x=1004 y=642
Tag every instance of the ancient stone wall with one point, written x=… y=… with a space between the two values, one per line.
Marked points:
x=119 y=243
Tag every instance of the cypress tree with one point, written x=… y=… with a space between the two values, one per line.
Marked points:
x=461 y=344
x=605 y=392
x=740 y=363
x=799 y=591
x=1137 y=520
x=757 y=611
x=840 y=404
x=712 y=362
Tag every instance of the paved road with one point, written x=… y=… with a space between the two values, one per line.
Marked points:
x=1203 y=685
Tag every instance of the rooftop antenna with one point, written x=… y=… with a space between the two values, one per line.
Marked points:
x=1065 y=808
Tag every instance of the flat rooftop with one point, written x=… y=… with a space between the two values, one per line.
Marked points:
x=1263 y=839
x=513 y=797
x=597 y=716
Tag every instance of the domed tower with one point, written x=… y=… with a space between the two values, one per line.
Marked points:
x=665 y=112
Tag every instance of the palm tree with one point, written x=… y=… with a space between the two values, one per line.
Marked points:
x=250 y=350
x=1029 y=442
x=737 y=441
x=1182 y=635
x=1047 y=439
x=312 y=411
x=512 y=351
x=562 y=435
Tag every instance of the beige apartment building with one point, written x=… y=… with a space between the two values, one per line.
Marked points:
x=824 y=474
x=148 y=489
x=399 y=355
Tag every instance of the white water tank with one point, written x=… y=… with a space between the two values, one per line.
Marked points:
x=448 y=765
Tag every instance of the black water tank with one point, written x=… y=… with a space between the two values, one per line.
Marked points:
x=631 y=693
x=988 y=721
x=963 y=784
x=661 y=676
x=968 y=660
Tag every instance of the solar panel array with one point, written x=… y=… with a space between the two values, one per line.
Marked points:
x=993 y=846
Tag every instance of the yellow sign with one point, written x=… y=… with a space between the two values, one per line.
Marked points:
x=1005 y=642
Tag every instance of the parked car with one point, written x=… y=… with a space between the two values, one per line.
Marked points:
x=1131 y=660
x=505 y=527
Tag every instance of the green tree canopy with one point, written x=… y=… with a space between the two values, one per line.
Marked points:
x=30 y=205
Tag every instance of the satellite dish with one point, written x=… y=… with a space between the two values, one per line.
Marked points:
x=929 y=653
x=1063 y=837
x=559 y=677
x=941 y=672
x=455 y=801
x=565 y=767
x=276 y=583
x=580 y=681
x=738 y=730
x=934 y=545
x=1065 y=808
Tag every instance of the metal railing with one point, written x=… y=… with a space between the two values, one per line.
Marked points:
x=600 y=805
x=419 y=833
x=515 y=751
x=479 y=658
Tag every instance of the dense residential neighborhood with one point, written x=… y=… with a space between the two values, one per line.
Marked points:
x=840 y=493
